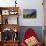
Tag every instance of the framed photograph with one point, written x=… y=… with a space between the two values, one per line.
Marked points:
x=29 y=13
x=5 y=12
x=12 y=12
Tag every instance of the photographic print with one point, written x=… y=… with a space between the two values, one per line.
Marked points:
x=5 y=12
x=29 y=13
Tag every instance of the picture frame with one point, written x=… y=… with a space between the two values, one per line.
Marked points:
x=13 y=12
x=5 y=12
x=29 y=13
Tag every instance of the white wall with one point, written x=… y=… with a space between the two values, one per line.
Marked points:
x=7 y=3
x=32 y=4
x=27 y=4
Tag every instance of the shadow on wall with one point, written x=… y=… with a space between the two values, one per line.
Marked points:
x=37 y=29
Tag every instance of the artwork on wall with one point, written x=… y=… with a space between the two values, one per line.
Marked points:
x=29 y=13
x=5 y=12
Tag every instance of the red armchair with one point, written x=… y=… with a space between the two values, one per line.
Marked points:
x=30 y=34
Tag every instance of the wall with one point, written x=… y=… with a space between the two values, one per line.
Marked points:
x=27 y=4
x=32 y=4
x=7 y=3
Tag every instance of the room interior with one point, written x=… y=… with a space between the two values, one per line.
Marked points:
x=14 y=22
